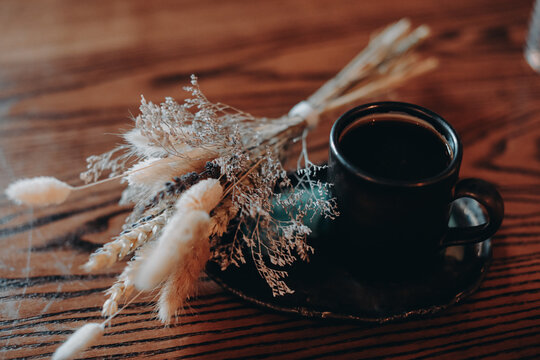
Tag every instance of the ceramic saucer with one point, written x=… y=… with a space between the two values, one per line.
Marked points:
x=325 y=289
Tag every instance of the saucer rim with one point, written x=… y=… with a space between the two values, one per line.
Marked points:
x=316 y=314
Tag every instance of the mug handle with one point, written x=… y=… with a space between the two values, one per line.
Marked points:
x=487 y=195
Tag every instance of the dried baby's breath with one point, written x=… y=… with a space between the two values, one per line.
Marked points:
x=110 y=161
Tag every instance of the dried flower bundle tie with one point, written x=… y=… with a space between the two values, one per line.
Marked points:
x=198 y=170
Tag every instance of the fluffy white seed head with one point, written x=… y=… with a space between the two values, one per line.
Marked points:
x=173 y=244
x=79 y=341
x=158 y=171
x=38 y=191
x=139 y=175
x=204 y=195
x=141 y=146
x=182 y=283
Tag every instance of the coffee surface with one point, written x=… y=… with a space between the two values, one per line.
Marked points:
x=395 y=149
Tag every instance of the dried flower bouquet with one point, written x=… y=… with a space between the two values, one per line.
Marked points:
x=199 y=169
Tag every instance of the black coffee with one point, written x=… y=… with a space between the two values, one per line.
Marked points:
x=395 y=147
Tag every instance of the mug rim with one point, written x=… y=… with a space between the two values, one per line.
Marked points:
x=413 y=110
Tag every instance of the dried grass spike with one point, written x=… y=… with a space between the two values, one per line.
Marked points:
x=158 y=171
x=79 y=341
x=141 y=146
x=182 y=284
x=172 y=246
x=204 y=195
x=38 y=191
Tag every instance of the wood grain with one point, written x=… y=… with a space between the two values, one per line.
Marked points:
x=71 y=73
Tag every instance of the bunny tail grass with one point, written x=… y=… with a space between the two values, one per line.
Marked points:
x=204 y=195
x=79 y=341
x=182 y=284
x=38 y=191
x=172 y=245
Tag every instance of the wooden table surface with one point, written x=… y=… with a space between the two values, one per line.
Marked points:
x=71 y=73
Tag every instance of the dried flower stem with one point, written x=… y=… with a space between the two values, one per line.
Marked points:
x=382 y=46
x=374 y=87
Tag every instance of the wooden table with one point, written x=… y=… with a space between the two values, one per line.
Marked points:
x=71 y=73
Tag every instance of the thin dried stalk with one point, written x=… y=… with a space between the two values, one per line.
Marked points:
x=378 y=49
x=384 y=83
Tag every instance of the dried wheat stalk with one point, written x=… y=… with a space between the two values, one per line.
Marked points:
x=126 y=243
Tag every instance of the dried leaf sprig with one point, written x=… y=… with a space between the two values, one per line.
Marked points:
x=198 y=170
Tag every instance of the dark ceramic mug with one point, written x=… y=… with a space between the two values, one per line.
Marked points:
x=390 y=223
